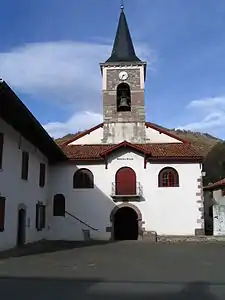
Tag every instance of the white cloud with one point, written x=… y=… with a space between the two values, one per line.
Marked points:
x=210 y=113
x=65 y=72
x=206 y=103
x=78 y=122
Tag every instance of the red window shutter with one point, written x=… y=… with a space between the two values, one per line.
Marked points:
x=2 y=214
x=126 y=182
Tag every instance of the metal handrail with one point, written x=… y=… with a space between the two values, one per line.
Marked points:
x=71 y=215
x=139 y=189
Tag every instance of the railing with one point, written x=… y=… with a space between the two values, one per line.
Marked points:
x=74 y=217
x=127 y=191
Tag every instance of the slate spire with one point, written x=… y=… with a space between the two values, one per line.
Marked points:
x=123 y=48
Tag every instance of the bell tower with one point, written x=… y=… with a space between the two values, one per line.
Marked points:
x=123 y=80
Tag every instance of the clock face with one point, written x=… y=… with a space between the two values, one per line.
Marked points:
x=123 y=75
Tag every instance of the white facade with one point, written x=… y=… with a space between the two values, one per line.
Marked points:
x=19 y=193
x=167 y=211
x=123 y=132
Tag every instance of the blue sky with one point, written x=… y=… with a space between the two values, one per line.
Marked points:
x=50 y=52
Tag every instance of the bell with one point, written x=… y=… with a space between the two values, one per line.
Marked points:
x=123 y=102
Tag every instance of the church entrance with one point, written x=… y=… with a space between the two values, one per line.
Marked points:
x=21 y=229
x=125 y=224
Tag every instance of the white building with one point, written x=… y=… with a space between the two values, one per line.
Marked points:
x=117 y=180
x=214 y=197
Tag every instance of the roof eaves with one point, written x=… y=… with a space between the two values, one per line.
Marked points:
x=6 y=88
x=123 y=144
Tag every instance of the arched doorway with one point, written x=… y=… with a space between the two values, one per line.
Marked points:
x=21 y=229
x=125 y=223
x=125 y=181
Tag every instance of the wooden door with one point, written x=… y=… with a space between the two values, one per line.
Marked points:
x=21 y=230
x=125 y=181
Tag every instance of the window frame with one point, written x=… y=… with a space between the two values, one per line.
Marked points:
x=223 y=192
x=81 y=178
x=3 y=208
x=1 y=149
x=42 y=175
x=25 y=165
x=172 y=179
x=40 y=216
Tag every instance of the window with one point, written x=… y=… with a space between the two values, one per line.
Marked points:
x=223 y=192
x=123 y=97
x=59 y=205
x=42 y=175
x=2 y=214
x=40 y=216
x=25 y=165
x=168 y=177
x=1 y=148
x=83 y=179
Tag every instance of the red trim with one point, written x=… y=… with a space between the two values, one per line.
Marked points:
x=181 y=159
x=122 y=145
x=78 y=136
x=164 y=131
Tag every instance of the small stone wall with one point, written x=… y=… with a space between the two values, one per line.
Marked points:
x=150 y=236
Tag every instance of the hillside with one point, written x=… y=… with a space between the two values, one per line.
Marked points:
x=203 y=141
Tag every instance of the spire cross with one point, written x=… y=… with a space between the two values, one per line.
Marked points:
x=122 y=5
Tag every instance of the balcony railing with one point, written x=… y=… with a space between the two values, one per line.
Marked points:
x=124 y=190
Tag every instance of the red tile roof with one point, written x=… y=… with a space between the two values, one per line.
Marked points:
x=154 y=151
x=215 y=185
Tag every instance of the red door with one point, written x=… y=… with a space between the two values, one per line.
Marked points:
x=125 y=181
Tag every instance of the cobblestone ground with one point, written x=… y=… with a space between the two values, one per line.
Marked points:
x=123 y=270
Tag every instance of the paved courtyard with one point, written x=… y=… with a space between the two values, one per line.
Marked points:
x=123 y=270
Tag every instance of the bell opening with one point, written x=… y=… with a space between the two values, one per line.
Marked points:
x=123 y=97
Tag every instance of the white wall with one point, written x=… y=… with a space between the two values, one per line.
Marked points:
x=218 y=197
x=168 y=211
x=154 y=136
x=95 y=137
x=125 y=132
x=18 y=191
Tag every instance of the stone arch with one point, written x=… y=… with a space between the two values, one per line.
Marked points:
x=123 y=95
x=141 y=229
x=117 y=207
x=22 y=206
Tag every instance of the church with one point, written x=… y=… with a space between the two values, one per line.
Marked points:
x=120 y=180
